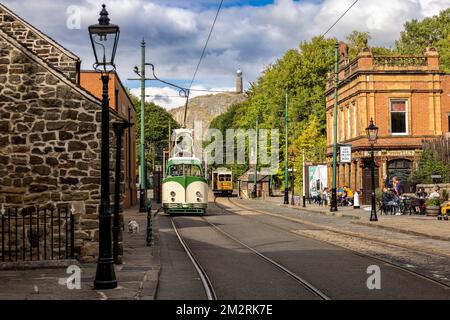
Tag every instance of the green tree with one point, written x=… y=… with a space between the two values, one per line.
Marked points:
x=417 y=35
x=356 y=41
x=302 y=73
x=429 y=164
x=156 y=128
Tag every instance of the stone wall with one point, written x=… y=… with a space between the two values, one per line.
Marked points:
x=50 y=135
x=429 y=187
x=41 y=45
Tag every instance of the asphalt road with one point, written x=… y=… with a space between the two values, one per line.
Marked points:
x=238 y=273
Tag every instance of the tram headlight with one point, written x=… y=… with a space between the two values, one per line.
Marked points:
x=173 y=194
x=173 y=199
x=198 y=194
x=198 y=200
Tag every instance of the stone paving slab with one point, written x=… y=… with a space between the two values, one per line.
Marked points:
x=137 y=277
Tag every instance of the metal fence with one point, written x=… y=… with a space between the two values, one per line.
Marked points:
x=33 y=233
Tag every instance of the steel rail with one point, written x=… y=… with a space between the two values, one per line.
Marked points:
x=296 y=277
x=209 y=289
x=366 y=255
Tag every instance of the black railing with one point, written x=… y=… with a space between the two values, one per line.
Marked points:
x=33 y=233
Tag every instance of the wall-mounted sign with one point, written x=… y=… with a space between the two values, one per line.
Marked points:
x=345 y=154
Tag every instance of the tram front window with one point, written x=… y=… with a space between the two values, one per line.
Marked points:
x=224 y=177
x=179 y=170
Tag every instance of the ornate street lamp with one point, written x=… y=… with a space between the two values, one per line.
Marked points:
x=104 y=37
x=292 y=158
x=372 y=135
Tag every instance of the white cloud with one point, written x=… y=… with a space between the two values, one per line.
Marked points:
x=248 y=37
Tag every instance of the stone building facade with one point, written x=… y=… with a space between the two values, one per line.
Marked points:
x=50 y=130
x=408 y=99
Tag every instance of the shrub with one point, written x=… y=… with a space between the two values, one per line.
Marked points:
x=433 y=202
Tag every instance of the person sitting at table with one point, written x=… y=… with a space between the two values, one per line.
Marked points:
x=435 y=193
x=421 y=193
x=348 y=194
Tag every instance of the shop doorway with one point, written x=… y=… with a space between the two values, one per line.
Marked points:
x=367 y=181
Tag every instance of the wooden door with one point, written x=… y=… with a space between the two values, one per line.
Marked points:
x=367 y=182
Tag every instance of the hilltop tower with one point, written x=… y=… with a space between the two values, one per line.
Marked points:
x=239 y=84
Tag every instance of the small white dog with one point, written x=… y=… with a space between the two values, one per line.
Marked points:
x=133 y=226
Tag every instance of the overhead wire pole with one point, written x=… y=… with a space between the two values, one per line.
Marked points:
x=143 y=190
x=333 y=206
x=142 y=79
x=286 y=173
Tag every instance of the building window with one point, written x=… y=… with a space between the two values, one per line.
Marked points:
x=399 y=117
x=116 y=99
x=402 y=169
x=348 y=133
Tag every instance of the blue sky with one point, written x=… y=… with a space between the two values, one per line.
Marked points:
x=249 y=34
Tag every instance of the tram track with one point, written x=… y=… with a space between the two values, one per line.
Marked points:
x=207 y=283
x=410 y=271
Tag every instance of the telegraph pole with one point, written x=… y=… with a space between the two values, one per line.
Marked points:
x=303 y=180
x=333 y=207
x=255 y=190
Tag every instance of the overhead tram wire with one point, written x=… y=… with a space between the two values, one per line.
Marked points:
x=342 y=15
x=187 y=90
x=201 y=58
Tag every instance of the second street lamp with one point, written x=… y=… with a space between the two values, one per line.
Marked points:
x=104 y=38
x=372 y=135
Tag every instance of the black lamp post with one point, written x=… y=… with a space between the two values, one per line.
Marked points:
x=292 y=156
x=372 y=135
x=104 y=37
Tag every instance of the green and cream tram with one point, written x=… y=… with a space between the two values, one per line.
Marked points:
x=184 y=188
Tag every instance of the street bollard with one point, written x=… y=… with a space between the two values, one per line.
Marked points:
x=149 y=222
x=356 y=200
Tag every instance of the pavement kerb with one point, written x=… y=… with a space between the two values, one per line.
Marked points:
x=326 y=213
x=43 y=264
x=370 y=224
x=352 y=234
x=156 y=254
x=405 y=231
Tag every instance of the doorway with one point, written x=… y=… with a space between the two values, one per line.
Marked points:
x=367 y=181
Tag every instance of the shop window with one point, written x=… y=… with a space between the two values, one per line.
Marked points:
x=399 y=117
x=402 y=169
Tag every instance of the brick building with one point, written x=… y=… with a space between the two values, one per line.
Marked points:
x=50 y=131
x=408 y=98
x=119 y=101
